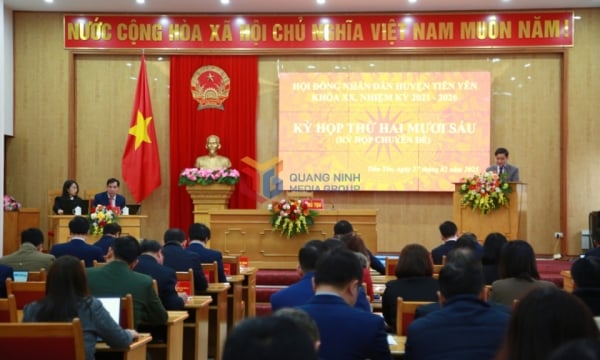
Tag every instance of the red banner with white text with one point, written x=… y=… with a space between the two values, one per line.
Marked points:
x=298 y=32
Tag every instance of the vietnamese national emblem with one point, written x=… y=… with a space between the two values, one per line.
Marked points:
x=210 y=87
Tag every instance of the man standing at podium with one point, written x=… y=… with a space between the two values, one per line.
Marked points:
x=502 y=167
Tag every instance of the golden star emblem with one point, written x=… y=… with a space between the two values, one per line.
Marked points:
x=140 y=130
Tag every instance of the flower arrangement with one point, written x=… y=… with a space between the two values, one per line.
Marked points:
x=193 y=176
x=100 y=216
x=485 y=192
x=291 y=216
x=10 y=204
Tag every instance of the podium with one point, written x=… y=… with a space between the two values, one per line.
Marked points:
x=130 y=225
x=14 y=223
x=507 y=220
x=209 y=197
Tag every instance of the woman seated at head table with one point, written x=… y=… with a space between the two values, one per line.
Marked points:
x=67 y=297
x=69 y=200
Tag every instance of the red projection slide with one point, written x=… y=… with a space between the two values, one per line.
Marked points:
x=410 y=131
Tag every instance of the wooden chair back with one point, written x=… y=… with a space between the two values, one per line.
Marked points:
x=487 y=292
x=437 y=268
x=185 y=282
x=25 y=292
x=8 y=309
x=231 y=265
x=211 y=272
x=390 y=265
x=37 y=275
x=89 y=195
x=126 y=316
x=48 y=341
x=155 y=286
x=405 y=314
x=98 y=264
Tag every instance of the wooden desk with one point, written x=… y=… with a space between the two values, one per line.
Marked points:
x=249 y=290
x=568 y=284
x=218 y=317
x=199 y=305
x=135 y=351
x=382 y=279
x=14 y=223
x=130 y=225
x=234 y=300
x=174 y=344
x=397 y=350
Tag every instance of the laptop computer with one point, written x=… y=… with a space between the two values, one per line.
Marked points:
x=113 y=307
x=134 y=209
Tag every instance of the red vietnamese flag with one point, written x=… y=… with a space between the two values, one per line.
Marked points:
x=141 y=163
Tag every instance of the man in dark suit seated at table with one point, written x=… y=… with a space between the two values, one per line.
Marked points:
x=117 y=278
x=150 y=263
x=301 y=292
x=449 y=234
x=109 y=234
x=79 y=227
x=29 y=257
x=346 y=333
x=465 y=327
x=343 y=227
x=199 y=236
x=180 y=259
x=110 y=196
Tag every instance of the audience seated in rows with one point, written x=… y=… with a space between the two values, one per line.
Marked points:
x=150 y=262
x=492 y=247
x=469 y=240
x=269 y=338
x=343 y=227
x=29 y=257
x=544 y=319
x=109 y=234
x=67 y=298
x=414 y=281
x=518 y=273
x=449 y=235
x=76 y=246
x=465 y=327
x=586 y=276
x=117 y=278
x=180 y=259
x=199 y=235
x=299 y=293
x=346 y=332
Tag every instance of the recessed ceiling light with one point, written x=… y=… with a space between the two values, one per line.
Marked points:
x=321 y=2
x=49 y=1
x=140 y=1
x=412 y=1
x=224 y=2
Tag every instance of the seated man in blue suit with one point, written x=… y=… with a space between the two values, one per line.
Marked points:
x=299 y=293
x=449 y=235
x=150 y=263
x=110 y=196
x=79 y=227
x=465 y=327
x=180 y=259
x=109 y=234
x=346 y=333
x=343 y=227
x=199 y=236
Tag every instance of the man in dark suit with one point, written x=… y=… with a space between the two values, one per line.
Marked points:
x=465 y=327
x=5 y=273
x=301 y=292
x=502 y=167
x=109 y=234
x=586 y=276
x=346 y=332
x=199 y=236
x=110 y=196
x=180 y=259
x=150 y=263
x=343 y=227
x=79 y=227
x=449 y=234
x=118 y=279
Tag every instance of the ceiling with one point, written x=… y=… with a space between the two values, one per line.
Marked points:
x=290 y=6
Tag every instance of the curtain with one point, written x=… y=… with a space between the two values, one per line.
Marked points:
x=235 y=124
